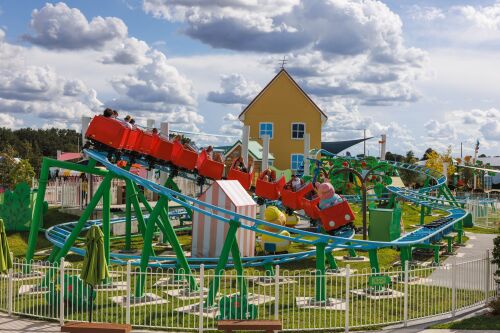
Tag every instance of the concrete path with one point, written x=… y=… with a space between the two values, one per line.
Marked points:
x=469 y=276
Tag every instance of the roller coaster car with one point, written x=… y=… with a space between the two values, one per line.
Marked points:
x=146 y=142
x=209 y=168
x=163 y=150
x=269 y=190
x=336 y=216
x=108 y=131
x=182 y=157
x=132 y=138
x=310 y=206
x=245 y=178
x=293 y=199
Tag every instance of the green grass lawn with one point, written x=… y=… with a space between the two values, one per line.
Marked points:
x=484 y=322
x=479 y=230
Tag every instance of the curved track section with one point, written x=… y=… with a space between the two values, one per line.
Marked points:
x=431 y=232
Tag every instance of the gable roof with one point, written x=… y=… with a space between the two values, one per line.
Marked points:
x=254 y=148
x=324 y=117
x=235 y=192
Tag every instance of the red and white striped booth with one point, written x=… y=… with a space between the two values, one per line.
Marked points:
x=209 y=233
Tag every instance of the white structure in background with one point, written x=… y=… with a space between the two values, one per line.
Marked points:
x=383 y=142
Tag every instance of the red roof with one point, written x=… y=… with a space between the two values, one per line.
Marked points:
x=69 y=156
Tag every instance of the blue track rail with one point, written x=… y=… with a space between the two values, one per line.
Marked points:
x=426 y=234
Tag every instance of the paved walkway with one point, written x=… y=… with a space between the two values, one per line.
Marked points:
x=475 y=249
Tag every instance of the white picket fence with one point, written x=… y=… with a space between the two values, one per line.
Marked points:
x=417 y=294
x=485 y=212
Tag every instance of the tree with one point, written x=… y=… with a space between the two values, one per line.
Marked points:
x=13 y=172
x=410 y=178
x=427 y=154
x=23 y=172
x=435 y=162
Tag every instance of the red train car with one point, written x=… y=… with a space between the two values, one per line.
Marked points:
x=133 y=135
x=268 y=190
x=163 y=150
x=108 y=131
x=209 y=168
x=146 y=142
x=245 y=178
x=182 y=157
x=293 y=199
x=310 y=206
x=336 y=216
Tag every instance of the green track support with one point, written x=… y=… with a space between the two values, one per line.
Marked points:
x=106 y=217
x=223 y=258
x=352 y=252
x=70 y=240
x=320 y=293
x=269 y=269
x=331 y=261
x=37 y=214
x=405 y=254
x=148 y=239
x=433 y=247
x=146 y=250
x=128 y=218
x=422 y=214
x=374 y=264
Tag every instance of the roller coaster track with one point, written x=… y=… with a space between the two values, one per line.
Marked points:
x=423 y=235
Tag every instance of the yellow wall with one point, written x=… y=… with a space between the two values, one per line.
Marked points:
x=282 y=103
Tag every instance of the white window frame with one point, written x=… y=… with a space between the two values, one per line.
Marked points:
x=291 y=131
x=291 y=160
x=272 y=129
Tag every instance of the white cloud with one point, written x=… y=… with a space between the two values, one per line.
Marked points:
x=337 y=47
x=127 y=52
x=39 y=90
x=426 y=13
x=235 y=89
x=156 y=85
x=482 y=16
x=6 y=120
x=60 y=27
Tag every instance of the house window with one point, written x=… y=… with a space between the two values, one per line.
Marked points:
x=297 y=161
x=266 y=129
x=298 y=130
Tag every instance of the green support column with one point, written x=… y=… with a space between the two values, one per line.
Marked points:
x=331 y=261
x=404 y=253
x=179 y=252
x=422 y=214
x=137 y=208
x=372 y=254
x=128 y=218
x=37 y=214
x=351 y=251
x=320 y=293
x=269 y=269
x=235 y=253
x=106 y=218
x=146 y=250
x=221 y=265
x=70 y=240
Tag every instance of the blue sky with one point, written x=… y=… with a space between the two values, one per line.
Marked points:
x=423 y=72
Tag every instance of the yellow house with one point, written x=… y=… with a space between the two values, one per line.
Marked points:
x=283 y=111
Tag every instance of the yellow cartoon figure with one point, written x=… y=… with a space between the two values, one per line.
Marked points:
x=269 y=243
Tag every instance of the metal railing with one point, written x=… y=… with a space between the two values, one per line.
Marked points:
x=485 y=212
x=302 y=300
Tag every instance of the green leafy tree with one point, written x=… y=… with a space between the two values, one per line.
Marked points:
x=13 y=172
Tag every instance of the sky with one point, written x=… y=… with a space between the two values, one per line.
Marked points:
x=425 y=73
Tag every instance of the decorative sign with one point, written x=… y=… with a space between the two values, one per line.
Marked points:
x=379 y=280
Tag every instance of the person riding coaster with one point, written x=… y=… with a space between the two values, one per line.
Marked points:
x=334 y=211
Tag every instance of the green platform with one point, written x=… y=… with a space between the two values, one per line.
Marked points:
x=384 y=224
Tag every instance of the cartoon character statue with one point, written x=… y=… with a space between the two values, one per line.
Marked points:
x=272 y=244
x=327 y=195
